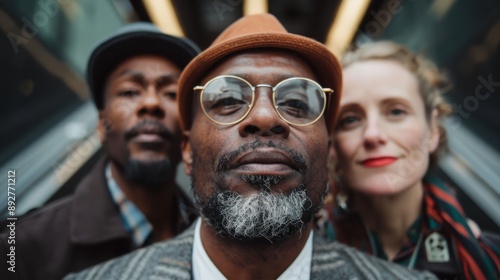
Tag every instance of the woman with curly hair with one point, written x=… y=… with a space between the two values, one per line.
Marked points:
x=387 y=138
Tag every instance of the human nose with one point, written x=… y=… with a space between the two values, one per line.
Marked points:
x=263 y=119
x=374 y=134
x=151 y=104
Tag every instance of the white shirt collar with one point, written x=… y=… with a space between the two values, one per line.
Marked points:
x=300 y=269
x=204 y=268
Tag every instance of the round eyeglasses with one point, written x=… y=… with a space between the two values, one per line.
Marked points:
x=227 y=99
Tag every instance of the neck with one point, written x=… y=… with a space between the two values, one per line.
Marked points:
x=152 y=203
x=391 y=216
x=252 y=260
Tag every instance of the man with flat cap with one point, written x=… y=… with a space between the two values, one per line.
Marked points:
x=257 y=107
x=129 y=199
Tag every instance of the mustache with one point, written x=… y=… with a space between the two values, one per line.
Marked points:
x=149 y=126
x=227 y=158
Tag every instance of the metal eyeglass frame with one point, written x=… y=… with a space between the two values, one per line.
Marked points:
x=250 y=106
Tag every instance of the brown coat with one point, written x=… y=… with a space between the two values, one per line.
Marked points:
x=68 y=235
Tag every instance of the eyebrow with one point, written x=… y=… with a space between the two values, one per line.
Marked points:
x=167 y=79
x=397 y=99
x=356 y=105
x=349 y=107
x=138 y=77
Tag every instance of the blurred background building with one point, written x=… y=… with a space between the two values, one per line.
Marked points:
x=47 y=128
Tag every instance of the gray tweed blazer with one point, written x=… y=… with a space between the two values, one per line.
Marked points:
x=172 y=260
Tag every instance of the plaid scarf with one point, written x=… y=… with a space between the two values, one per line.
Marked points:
x=479 y=258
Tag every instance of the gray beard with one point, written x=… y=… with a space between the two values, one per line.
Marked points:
x=261 y=216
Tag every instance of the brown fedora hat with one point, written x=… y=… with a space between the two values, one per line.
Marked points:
x=255 y=32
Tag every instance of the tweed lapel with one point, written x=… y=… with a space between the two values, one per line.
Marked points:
x=175 y=259
x=332 y=260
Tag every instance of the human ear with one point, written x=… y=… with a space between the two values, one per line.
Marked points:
x=101 y=126
x=435 y=133
x=187 y=154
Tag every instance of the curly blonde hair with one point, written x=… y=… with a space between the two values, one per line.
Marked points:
x=432 y=82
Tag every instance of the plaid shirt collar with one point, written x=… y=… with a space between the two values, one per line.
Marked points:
x=133 y=220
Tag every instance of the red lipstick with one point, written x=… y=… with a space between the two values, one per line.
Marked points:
x=378 y=162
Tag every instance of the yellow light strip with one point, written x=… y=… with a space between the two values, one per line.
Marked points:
x=163 y=14
x=253 y=7
x=347 y=20
x=440 y=8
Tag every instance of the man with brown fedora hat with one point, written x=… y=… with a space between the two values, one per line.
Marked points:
x=256 y=109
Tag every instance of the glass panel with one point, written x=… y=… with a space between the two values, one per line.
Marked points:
x=45 y=45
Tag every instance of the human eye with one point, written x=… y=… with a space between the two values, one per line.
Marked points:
x=293 y=101
x=397 y=113
x=348 y=121
x=226 y=104
x=129 y=92
x=170 y=94
x=295 y=107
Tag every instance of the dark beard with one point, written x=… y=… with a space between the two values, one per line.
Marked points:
x=152 y=175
